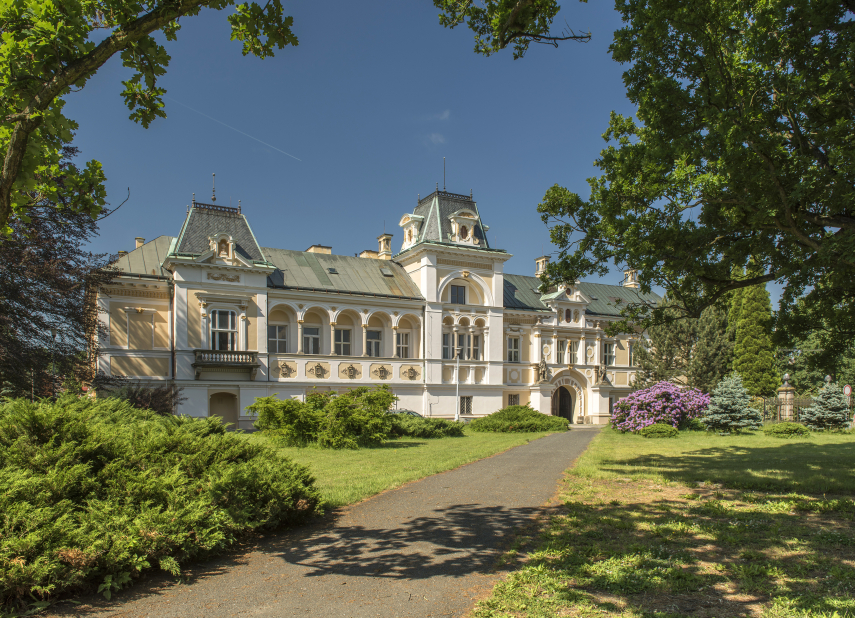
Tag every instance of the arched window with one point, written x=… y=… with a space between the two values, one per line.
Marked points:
x=224 y=334
x=568 y=315
x=223 y=250
x=464 y=233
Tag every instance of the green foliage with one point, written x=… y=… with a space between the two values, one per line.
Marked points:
x=50 y=49
x=354 y=419
x=418 y=427
x=93 y=492
x=659 y=430
x=786 y=430
x=730 y=409
x=739 y=150
x=829 y=410
x=666 y=355
x=499 y=23
x=753 y=353
x=519 y=419
x=713 y=353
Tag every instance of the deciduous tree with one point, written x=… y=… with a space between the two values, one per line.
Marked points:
x=49 y=49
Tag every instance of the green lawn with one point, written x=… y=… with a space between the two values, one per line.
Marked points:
x=700 y=525
x=346 y=476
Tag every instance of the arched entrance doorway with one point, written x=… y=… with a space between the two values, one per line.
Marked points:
x=225 y=405
x=562 y=403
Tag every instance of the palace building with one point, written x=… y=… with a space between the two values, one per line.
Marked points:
x=439 y=320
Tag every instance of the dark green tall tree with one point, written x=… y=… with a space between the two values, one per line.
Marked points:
x=667 y=354
x=753 y=352
x=712 y=356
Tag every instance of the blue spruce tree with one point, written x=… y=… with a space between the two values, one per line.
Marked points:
x=829 y=410
x=729 y=409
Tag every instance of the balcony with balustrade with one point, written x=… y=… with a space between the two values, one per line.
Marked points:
x=225 y=365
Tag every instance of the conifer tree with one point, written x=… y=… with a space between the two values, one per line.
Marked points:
x=734 y=310
x=729 y=409
x=666 y=355
x=712 y=355
x=829 y=410
x=753 y=352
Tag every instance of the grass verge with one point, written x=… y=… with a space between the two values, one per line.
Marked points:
x=348 y=476
x=669 y=528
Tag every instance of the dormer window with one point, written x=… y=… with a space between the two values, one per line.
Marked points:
x=223 y=250
x=464 y=232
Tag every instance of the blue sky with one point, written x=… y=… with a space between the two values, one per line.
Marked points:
x=366 y=107
x=372 y=99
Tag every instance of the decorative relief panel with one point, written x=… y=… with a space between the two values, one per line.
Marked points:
x=154 y=294
x=318 y=370
x=410 y=372
x=287 y=369
x=223 y=277
x=380 y=371
x=521 y=320
x=462 y=264
x=349 y=371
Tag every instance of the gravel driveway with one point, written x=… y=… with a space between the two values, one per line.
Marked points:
x=425 y=549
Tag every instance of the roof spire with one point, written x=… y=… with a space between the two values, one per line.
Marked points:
x=194 y=200
x=214 y=188
x=238 y=206
x=443 y=173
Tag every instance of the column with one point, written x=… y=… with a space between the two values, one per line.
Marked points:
x=598 y=351
x=204 y=338
x=332 y=338
x=365 y=340
x=454 y=333
x=582 y=355
x=244 y=331
x=299 y=336
x=471 y=343
x=395 y=342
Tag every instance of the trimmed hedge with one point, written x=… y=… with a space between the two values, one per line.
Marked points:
x=428 y=428
x=786 y=430
x=519 y=419
x=659 y=430
x=93 y=492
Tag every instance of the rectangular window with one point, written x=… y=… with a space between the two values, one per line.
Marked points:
x=276 y=338
x=311 y=341
x=466 y=405
x=373 y=340
x=402 y=341
x=458 y=294
x=631 y=354
x=476 y=347
x=574 y=352
x=446 y=346
x=223 y=330
x=561 y=356
x=342 y=341
x=609 y=354
x=513 y=349
x=463 y=346
x=513 y=400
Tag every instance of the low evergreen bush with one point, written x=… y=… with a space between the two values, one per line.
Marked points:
x=518 y=419
x=663 y=402
x=730 y=408
x=93 y=492
x=659 y=430
x=419 y=427
x=786 y=430
x=829 y=410
x=357 y=418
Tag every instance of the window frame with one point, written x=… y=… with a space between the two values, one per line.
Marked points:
x=561 y=352
x=213 y=329
x=476 y=347
x=464 y=347
x=446 y=346
x=514 y=349
x=371 y=343
x=310 y=337
x=338 y=346
x=402 y=344
x=277 y=339
x=466 y=405
x=609 y=354
x=455 y=291
x=513 y=399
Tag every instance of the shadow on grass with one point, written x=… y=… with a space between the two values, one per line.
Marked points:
x=791 y=467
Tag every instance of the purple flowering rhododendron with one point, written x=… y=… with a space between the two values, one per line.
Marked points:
x=661 y=403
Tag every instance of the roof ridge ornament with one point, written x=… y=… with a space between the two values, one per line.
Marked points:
x=214 y=188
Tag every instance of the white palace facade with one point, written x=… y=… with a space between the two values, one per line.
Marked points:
x=439 y=321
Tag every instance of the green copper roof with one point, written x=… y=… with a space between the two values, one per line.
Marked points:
x=147 y=259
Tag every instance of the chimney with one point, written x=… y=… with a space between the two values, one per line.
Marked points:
x=140 y=242
x=368 y=253
x=384 y=244
x=630 y=279
x=319 y=249
x=540 y=265
x=122 y=252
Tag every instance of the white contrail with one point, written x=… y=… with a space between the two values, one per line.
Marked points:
x=232 y=128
